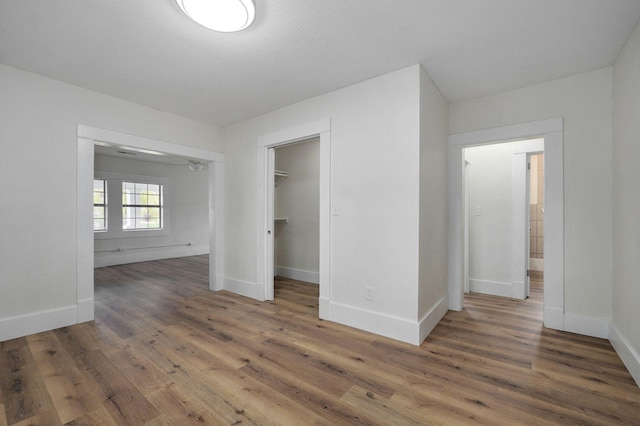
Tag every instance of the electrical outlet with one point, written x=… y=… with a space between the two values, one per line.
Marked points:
x=368 y=293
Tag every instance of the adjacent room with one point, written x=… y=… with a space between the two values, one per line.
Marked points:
x=319 y=212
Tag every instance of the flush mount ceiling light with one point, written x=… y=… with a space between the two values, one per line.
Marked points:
x=220 y=15
x=195 y=165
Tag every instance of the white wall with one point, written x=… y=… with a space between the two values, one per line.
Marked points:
x=186 y=207
x=585 y=103
x=375 y=178
x=433 y=238
x=626 y=204
x=38 y=126
x=490 y=231
x=297 y=198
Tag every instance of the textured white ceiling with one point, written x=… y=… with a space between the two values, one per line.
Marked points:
x=148 y=52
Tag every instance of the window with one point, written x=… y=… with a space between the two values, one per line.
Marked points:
x=99 y=205
x=133 y=205
x=141 y=206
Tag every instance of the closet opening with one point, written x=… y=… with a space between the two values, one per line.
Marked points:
x=296 y=227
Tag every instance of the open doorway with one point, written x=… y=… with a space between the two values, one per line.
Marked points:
x=297 y=217
x=87 y=136
x=266 y=145
x=536 y=225
x=497 y=210
x=551 y=131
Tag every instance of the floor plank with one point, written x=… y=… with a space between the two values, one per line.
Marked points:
x=164 y=350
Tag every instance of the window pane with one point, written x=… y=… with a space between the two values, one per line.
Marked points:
x=148 y=201
x=128 y=218
x=128 y=198
x=98 y=212
x=129 y=187
x=98 y=225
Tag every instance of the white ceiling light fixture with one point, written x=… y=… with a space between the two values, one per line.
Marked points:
x=195 y=165
x=220 y=15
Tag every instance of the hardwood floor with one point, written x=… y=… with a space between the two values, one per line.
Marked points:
x=166 y=351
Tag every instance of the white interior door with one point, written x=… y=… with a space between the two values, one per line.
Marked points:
x=467 y=206
x=527 y=212
x=271 y=205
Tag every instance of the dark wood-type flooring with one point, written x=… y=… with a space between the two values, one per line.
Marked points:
x=164 y=350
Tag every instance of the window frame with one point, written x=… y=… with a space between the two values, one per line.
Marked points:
x=140 y=205
x=103 y=205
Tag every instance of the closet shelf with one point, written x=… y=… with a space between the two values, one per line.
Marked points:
x=280 y=176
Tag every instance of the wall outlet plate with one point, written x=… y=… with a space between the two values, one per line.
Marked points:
x=368 y=293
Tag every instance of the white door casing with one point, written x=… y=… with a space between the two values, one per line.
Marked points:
x=265 y=206
x=87 y=136
x=552 y=132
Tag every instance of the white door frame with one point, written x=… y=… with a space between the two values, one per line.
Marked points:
x=265 y=206
x=466 y=211
x=87 y=136
x=552 y=132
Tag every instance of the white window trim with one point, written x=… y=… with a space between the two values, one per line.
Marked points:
x=114 y=208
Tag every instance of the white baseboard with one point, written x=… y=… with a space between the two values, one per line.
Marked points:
x=553 y=318
x=298 y=274
x=145 y=255
x=429 y=321
x=628 y=354
x=243 y=288
x=324 y=309
x=495 y=288
x=391 y=326
x=586 y=325
x=85 y=310
x=36 y=322
x=219 y=284
x=517 y=290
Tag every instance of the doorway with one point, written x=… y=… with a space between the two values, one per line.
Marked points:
x=85 y=174
x=552 y=132
x=266 y=145
x=297 y=211
x=497 y=194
